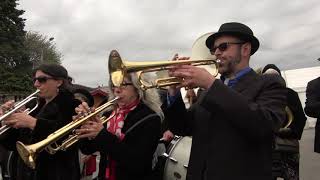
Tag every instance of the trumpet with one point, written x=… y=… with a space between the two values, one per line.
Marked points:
x=29 y=153
x=16 y=107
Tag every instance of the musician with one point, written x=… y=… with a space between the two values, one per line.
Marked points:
x=56 y=108
x=232 y=122
x=293 y=102
x=312 y=108
x=286 y=164
x=84 y=96
x=127 y=142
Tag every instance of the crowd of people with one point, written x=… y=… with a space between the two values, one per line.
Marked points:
x=239 y=123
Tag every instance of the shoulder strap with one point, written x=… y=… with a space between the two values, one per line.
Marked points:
x=141 y=121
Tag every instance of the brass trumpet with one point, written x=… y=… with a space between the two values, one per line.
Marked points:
x=16 y=107
x=29 y=153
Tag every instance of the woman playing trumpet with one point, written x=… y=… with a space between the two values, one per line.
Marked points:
x=128 y=140
x=56 y=108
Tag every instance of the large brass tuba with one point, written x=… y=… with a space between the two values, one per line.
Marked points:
x=16 y=107
x=119 y=68
x=29 y=153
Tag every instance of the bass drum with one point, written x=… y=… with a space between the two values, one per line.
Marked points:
x=7 y=165
x=177 y=158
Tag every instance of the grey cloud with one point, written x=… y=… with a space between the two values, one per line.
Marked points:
x=86 y=31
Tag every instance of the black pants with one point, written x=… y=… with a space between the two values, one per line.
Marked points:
x=285 y=165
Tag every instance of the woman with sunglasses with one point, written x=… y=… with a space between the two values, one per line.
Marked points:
x=127 y=142
x=56 y=108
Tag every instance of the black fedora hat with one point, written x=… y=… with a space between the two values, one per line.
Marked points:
x=235 y=29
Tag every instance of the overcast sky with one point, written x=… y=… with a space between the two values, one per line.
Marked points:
x=85 y=31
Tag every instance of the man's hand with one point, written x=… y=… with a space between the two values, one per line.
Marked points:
x=167 y=136
x=194 y=76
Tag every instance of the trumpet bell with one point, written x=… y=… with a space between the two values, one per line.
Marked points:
x=26 y=154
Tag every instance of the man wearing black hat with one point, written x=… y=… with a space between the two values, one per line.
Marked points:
x=232 y=123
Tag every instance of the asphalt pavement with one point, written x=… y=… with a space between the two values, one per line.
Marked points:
x=309 y=160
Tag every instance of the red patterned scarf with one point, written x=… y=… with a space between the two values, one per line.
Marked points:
x=114 y=126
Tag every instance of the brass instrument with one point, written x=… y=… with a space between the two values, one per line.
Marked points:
x=16 y=107
x=119 y=68
x=289 y=117
x=29 y=153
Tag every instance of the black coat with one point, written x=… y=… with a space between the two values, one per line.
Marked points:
x=312 y=108
x=134 y=153
x=50 y=117
x=232 y=129
x=299 y=118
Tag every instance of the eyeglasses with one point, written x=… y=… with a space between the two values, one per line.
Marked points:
x=123 y=85
x=41 y=79
x=223 y=46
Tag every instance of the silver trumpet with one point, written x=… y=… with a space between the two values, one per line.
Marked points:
x=16 y=107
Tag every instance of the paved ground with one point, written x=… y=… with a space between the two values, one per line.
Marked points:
x=309 y=161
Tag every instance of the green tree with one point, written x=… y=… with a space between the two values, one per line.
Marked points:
x=12 y=34
x=13 y=55
x=20 y=52
x=40 y=49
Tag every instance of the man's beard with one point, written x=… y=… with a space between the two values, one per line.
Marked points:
x=230 y=70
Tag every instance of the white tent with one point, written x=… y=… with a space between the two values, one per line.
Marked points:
x=297 y=79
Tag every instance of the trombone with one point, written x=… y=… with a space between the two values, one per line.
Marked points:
x=200 y=55
x=16 y=107
x=28 y=153
x=119 y=68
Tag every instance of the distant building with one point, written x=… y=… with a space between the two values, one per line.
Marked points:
x=100 y=95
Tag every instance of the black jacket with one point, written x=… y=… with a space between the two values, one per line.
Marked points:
x=134 y=153
x=50 y=117
x=312 y=108
x=232 y=128
x=299 y=118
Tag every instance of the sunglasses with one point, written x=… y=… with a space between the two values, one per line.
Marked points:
x=123 y=85
x=41 y=79
x=223 y=46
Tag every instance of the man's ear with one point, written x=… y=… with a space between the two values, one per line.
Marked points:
x=59 y=83
x=246 y=49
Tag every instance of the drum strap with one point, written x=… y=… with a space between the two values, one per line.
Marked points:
x=141 y=121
